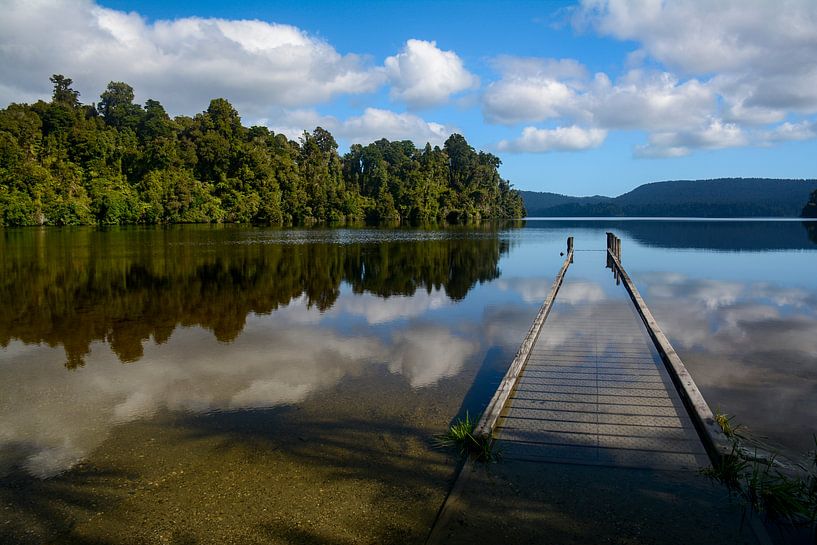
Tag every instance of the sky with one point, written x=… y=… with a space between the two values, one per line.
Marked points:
x=581 y=98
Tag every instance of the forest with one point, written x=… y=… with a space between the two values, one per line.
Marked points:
x=117 y=162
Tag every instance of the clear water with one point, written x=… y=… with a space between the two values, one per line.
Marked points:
x=170 y=384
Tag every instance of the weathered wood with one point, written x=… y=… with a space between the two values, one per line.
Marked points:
x=715 y=441
x=491 y=414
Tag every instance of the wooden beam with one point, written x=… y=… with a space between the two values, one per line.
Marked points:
x=715 y=441
x=487 y=421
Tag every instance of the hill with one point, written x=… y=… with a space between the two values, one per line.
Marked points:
x=724 y=197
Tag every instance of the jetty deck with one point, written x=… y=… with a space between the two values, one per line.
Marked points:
x=594 y=389
x=601 y=429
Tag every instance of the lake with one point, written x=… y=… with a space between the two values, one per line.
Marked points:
x=234 y=384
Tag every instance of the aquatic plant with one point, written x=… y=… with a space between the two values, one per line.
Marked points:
x=760 y=483
x=460 y=435
x=725 y=422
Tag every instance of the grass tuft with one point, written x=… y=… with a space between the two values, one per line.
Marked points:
x=761 y=486
x=461 y=436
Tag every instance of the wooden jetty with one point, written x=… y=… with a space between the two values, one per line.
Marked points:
x=597 y=384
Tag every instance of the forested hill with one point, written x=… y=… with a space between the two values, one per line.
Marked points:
x=65 y=163
x=724 y=197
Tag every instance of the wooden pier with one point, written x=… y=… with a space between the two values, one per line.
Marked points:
x=596 y=382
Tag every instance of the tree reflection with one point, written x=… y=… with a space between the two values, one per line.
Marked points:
x=811 y=228
x=72 y=288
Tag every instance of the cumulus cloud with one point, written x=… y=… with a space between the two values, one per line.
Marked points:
x=716 y=135
x=726 y=72
x=571 y=138
x=649 y=101
x=761 y=53
x=423 y=75
x=788 y=132
x=372 y=124
x=182 y=62
x=642 y=100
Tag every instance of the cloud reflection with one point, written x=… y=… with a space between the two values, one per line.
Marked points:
x=751 y=347
x=535 y=290
x=274 y=362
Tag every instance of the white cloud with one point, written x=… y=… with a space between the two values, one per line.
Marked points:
x=727 y=71
x=788 y=132
x=516 y=99
x=183 y=62
x=639 y=100
x=423 y=75
x=649 y=101
x=716 y=135
x=571 y=138
x=372 y=124
x=764 y=50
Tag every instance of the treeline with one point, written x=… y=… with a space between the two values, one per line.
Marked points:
x=116 y=162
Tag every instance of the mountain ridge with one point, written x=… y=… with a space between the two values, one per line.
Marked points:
x=719 y=197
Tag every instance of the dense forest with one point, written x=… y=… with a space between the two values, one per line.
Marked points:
x=723 y=197
x=117 y=162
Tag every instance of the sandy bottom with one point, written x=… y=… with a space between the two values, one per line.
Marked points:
x=356 y=465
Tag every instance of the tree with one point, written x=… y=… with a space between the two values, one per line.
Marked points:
x=810 y=210
x=117 y=107
x=63 y=93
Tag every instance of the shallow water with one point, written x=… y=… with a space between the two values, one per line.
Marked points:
x=197 y=383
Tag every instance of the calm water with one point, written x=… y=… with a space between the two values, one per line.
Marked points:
x=197 y=384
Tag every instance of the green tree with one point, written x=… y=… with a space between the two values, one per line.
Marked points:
x=810 y=209
x=63 y=93
x=117 y=107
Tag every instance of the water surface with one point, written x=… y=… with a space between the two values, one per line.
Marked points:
x=202 y=383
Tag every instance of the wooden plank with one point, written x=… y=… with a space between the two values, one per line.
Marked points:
x=491 y=414
x=715 y=441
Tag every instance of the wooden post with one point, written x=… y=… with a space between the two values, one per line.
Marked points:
x=570 y=248
x=609 y=247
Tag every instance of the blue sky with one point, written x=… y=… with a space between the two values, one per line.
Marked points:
x=584 y=98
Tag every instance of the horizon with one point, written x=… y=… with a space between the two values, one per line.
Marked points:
x=581 y=99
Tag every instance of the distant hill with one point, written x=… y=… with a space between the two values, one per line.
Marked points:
x=724 y=197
